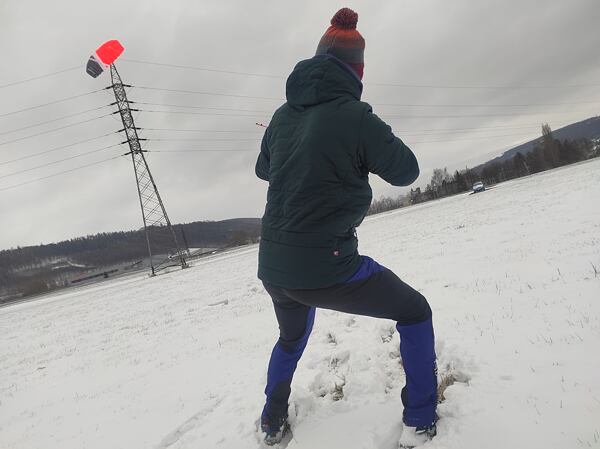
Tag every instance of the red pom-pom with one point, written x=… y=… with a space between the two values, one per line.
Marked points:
x=345 y=19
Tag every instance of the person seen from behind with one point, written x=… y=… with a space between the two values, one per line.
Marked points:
x=316 y=154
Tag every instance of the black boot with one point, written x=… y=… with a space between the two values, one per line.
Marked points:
x=274 y=428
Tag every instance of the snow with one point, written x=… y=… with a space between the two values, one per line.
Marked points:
x=179 y=361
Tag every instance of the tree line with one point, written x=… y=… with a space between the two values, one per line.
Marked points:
x=547 y=154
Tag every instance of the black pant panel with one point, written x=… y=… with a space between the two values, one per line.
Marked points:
x=292 y=317
x=382 y=295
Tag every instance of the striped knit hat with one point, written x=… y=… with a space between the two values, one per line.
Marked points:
x=343 y=41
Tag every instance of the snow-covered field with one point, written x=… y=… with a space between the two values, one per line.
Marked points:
x=179 y=361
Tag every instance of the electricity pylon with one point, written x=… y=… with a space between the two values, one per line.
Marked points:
x=160 y=235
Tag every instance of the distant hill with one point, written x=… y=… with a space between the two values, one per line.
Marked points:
x=586 y=129
x=30 y=269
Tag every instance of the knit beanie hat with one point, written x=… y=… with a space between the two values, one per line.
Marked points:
x=343 y=41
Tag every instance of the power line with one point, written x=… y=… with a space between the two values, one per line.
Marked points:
x=388 y=116
x=422 y=105
x=198 y=130
x=53 y=120
x=258 y=140
x=62 y=100
x=203 y=140
x=480 y=115
x=14 y=83
x=438 y=132
x=55 y=129
x=403 y=132
x=483 y=87
x=200 y=107
x=198 y=150
x=212 y=150
x=59 y=173
x=470 y=138
x=55 y=149
x=487 y=105
x=197 y=92
x=403 y=85
x=211 y=114
x=442 y=130
x=59 y=161
x=203 y=69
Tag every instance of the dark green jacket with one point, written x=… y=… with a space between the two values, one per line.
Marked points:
x=316 y=154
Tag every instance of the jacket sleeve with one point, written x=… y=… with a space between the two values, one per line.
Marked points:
x=384 y=154
x=262 y=167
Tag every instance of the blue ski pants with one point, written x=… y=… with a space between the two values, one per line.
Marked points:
x=372 y=291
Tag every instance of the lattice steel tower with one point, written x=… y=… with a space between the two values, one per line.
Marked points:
x=160 y=235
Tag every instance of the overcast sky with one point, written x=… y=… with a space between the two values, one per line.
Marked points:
x=460 y=82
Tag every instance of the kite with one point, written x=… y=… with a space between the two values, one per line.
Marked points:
x=106 y=54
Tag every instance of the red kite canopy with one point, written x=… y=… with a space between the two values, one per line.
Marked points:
x=106 y=54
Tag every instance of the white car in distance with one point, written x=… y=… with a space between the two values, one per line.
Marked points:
x=478 y=187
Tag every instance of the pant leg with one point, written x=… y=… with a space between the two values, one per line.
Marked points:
x=378 y=292
x=295 y=325
x=381 y=295
x=419 y=395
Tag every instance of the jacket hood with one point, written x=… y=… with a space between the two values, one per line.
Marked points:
x=321 y=79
